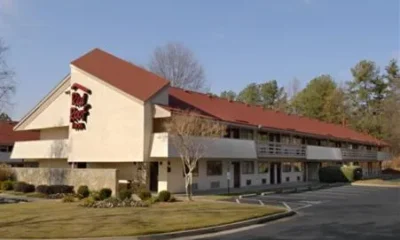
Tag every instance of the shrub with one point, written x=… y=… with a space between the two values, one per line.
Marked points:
x=68 y=198
x=95 y=195
x=144 y=194
x=164 y=196
x=83 y=191
x=54 y=189
x=105 y=193
x=7 y=185
x=125 y=194
x=44 y=189
x=333 y=174
x=88 y=202
x=23 y=187
x=5 y=172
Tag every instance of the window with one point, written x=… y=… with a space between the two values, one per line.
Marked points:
x=81 y=165
x=195 y=172
x=356 y=163
x=297 y=167
x=287 y=167
x=248 y=182
x=248 y=167
x=263 y=167
x=246 y=134
x=214 y=168
x=3 y=148
x=264 y=181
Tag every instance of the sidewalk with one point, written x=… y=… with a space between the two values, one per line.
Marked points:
x=254 y=189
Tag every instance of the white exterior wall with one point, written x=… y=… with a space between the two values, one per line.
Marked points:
x=115 y=131
x=174 y=180
x=54 y=112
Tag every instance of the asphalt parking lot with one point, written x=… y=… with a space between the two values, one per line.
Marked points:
x=346 y=212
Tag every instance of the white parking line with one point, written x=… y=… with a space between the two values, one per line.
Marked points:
x=338 y=192
x=302 y=207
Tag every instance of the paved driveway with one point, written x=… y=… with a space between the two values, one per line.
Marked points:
x=347 y=212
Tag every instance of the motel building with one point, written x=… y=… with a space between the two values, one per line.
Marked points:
x=109 y=113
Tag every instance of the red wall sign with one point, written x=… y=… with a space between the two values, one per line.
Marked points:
x=80 y=107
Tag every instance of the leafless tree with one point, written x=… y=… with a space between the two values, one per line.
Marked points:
x=7 y=84
x=178 y=64
x=186 y=130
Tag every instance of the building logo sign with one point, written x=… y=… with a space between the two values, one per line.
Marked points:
x=80 y=107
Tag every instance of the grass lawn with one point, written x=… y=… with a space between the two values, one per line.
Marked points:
x=378 y=181
x=61 y=220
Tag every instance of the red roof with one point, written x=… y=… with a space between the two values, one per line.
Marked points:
x=241 y=113
x=121 y=74
x=8 y=136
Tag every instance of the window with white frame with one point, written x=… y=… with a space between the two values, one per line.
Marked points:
x=263 y=167
x=297 y=166
x=287 y=167
x=248 y=167
x=214 y=168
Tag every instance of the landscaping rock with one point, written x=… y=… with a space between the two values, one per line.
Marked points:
x=12 y=200
x=114 y=202
x=136 y=198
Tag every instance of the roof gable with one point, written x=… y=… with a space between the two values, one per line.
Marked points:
x=121 y=74
x=241 y=113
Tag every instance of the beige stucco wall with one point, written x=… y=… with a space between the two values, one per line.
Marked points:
x=52 y=113
x=115 y=130
x=54 y=133
x=43 y=149
x=126 y=169
x=95 y=179
x=53 y=163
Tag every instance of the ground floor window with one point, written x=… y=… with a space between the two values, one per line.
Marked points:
x=287 y=167
x=248 y=167
x=297 y=167
x=214 y=168
x=263 y=167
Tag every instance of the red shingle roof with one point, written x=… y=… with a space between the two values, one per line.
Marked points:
x=241 y=113
x=8 y=136
x=121 y=74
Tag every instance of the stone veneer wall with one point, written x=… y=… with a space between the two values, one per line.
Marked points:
x=95 y=179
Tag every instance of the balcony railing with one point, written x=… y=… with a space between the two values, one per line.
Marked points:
x=273 y=149
x=358 y=154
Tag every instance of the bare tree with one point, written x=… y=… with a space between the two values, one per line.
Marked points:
x=186 y=130
x=178 y=64
x=7 y=84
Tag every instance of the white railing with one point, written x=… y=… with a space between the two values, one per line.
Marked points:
x=382 y=156
x=273 y=149
x=358 y=154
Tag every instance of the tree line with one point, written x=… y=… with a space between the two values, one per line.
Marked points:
x=368 y=103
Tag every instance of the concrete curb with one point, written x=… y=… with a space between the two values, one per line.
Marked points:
x=375 y=185
x=219 y=228
x=247 y=195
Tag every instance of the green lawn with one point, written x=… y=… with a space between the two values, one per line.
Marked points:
x=53 y=219
x=378 y=181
